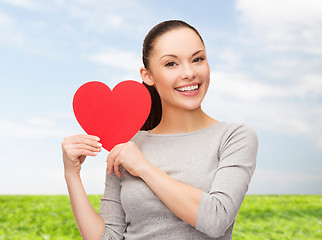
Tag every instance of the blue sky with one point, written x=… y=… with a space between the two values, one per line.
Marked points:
x=265 y=59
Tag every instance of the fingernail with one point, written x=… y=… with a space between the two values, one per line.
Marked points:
x=97 y=138
x=99 y=144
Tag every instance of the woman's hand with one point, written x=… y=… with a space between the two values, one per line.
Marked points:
x=131 y=158
x=76 y=148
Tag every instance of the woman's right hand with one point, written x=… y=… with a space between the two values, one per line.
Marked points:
x=76 y=148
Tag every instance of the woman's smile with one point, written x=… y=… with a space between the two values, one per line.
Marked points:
x=189 y=89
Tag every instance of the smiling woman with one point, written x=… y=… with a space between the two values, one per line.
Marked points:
x=184 y=175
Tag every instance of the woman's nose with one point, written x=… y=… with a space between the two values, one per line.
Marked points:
x=188 y=72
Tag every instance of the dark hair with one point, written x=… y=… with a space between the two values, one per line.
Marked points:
x=149 y=40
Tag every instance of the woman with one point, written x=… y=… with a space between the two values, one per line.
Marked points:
x=185 y=174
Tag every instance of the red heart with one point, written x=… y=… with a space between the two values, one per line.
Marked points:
x=114 y=116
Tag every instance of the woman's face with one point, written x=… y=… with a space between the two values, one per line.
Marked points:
x=179 y=69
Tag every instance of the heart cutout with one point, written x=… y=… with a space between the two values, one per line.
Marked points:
x=114 y=116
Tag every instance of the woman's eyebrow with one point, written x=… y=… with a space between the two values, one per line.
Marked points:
x=175 y=56
x=169 y=55
x=197 y=52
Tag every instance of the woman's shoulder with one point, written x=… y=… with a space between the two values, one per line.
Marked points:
x=220 y=134
x=238 y=126
x=218 y=128
x=239 y=134
x=238 y=129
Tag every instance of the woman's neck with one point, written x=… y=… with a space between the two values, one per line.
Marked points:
x=182 y=121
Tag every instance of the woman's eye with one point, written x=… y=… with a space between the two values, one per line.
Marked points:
x=199 y=59
x=170 y=64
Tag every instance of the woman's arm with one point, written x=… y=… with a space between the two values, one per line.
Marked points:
x=90 y=224
x=111 y=210
x=210 y=212
x=180 y=198
x=75 y=149
x=219 y=207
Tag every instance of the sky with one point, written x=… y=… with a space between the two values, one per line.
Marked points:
x=265 y=59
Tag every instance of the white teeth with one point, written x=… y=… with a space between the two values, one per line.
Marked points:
x=189 y=88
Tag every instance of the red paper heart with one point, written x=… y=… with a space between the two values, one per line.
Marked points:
x=114 y=116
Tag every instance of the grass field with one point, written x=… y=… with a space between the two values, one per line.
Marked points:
x=261 y=217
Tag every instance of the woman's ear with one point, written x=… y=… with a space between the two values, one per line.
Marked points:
x=146 y=76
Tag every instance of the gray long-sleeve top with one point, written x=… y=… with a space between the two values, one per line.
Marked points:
x=220 y=160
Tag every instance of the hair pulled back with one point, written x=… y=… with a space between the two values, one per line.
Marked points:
x=148 y=44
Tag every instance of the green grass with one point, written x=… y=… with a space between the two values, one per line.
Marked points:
x=261 y=217
x=280 y=217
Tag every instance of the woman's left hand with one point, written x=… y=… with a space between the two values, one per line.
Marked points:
x=131 y=158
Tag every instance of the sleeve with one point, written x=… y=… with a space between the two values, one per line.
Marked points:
x=237 y=160
x=111 y=209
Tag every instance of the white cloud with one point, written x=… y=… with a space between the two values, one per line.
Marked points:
x=16 y=36
x=41 y=122
x=49 y=180
x=319 y=144
x=243 y=86
x=104 y=16
x=283 y=92
x=276 y=181
x=62 y=115
x=97 y=15
x=126 y=60
x=43 y=173
x=284 y=24
x=35 y=180
x=33 y=128
x=289 y=109
x=230 y=58
x=100 y=22
x=9 y=33
x=309 y=85
x=75 y=19
x=6 y=20
x=32 y=5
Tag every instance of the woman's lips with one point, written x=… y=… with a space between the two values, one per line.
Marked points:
x=189 y=90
